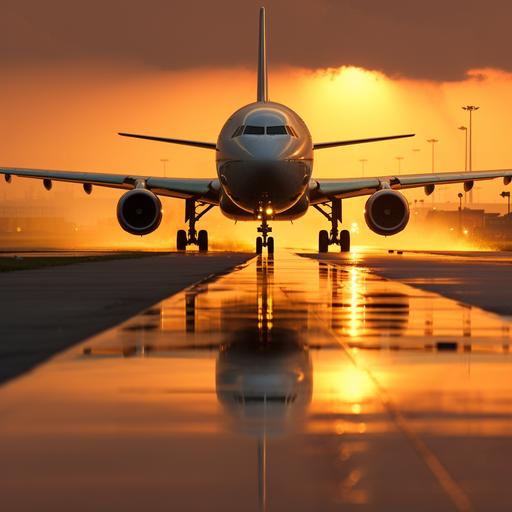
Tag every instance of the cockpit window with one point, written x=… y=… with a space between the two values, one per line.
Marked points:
x=276 y=130
x=254 y=130
x=238 y=132
x=291 y=131
x=261 y=130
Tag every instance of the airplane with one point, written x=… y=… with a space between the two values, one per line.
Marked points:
x=264 y=159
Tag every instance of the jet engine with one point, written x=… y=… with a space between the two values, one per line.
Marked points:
x=386 y=212
x=139 y=212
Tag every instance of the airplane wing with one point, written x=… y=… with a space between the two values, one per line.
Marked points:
x=326 y=145
x=323 y=190
x=183 y=142
x=183 y=188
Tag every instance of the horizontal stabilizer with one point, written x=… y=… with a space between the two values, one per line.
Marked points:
x=324 y=145
x=194 y=143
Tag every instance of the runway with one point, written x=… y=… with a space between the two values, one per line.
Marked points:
x=46 y=310
x=286 y=384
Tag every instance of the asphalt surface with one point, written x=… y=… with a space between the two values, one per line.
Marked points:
x=47 y=310
x=482 y=279
x=286 y=384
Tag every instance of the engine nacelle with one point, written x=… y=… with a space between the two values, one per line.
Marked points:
x=386 y=212
x=139 y=212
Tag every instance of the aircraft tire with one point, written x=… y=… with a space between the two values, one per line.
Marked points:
x=181 y=240
x=345 y=240
x=270 y=245
x=202 y=240
x=323 y=241
x=259 y=245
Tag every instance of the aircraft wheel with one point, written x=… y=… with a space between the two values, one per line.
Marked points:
x=202 y=240
x=259 y=245
x=270 y=245
x=345 y=240
x=181 y=240
x=323 y=241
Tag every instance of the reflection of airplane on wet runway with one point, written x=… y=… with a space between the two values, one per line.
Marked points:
x=263 y=366
x=264 y=157
x=263 y=371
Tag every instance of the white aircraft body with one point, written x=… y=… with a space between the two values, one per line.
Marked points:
x=264 y=156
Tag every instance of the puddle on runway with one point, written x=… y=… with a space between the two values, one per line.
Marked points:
x=287 y=384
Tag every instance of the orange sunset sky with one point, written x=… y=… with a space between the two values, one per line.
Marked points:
x=63 y=99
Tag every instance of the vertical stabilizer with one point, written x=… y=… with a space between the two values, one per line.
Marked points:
x=262 y=59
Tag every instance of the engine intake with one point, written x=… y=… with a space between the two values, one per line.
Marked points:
x=386 y=212
x=139 y=212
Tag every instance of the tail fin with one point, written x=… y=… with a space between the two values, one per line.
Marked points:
x=262 y=59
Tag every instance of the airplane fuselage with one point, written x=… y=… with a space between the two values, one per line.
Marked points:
x=264 y=163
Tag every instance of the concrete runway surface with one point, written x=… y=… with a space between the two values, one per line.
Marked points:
x=287 y=384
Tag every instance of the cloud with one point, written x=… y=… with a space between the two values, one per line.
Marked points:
x=436 y=40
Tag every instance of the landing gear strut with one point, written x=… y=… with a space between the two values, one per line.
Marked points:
x=332 y=212
x=193 y=237
x=264 y=240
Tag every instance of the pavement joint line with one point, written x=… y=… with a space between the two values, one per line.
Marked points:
x=455 y=493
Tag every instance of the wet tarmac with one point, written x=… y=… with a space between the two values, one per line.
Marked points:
x=287 y=384
x=475 y=278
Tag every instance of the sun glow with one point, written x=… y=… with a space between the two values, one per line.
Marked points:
x=353 y=81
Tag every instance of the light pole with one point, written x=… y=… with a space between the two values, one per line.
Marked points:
x=465 y=130
x=507 y=195
x=363 y=163
x=470 y=109
x=433 y=142
x=164 y=162
x=399 y=160
x=416 y=159
x=416 y=150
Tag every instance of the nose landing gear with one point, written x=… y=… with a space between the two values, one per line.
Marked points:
x=264 y=240
x=332 y=212
x=192 y=236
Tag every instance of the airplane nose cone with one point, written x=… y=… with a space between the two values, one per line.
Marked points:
x=280 y=183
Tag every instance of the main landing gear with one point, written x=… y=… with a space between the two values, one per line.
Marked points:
x=332 y=212
x=193 y=237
